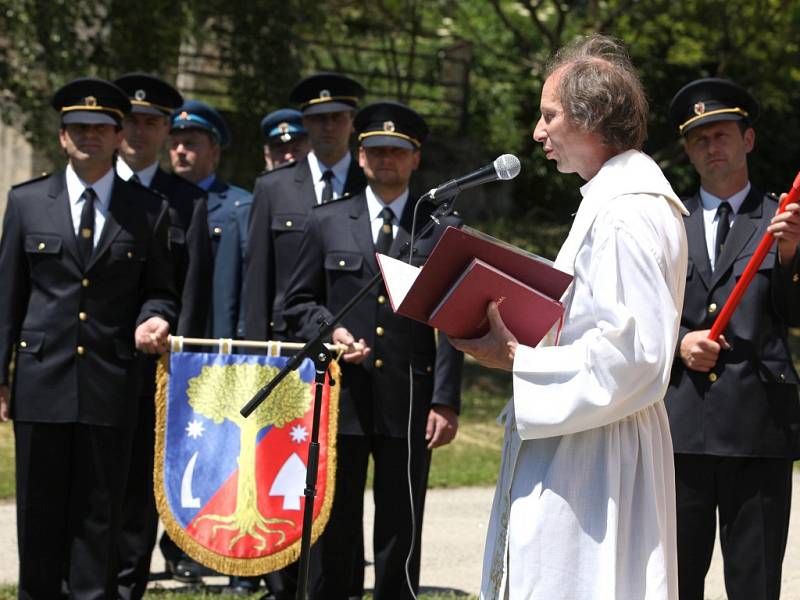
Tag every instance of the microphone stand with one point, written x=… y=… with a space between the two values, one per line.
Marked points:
x=316 y=350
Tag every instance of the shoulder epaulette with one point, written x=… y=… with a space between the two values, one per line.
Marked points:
x=186 y=183
x=346 y=196
x=154 y=192
x=35 y=179
x=287 y=165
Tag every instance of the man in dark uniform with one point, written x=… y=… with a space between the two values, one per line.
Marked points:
x=87 y=278
x=282 y=200
x=732 y=402
x=336 y=258
x=198 y=135
x=285 y=138
x=283 y=197
x=145 y=130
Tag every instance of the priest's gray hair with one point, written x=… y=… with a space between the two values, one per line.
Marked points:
x=600 y=91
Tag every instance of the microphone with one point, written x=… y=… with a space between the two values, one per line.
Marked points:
x=504 y=167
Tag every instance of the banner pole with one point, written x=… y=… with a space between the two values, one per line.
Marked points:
x=188 y=341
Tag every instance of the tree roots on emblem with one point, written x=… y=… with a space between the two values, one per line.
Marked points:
x=248 y=521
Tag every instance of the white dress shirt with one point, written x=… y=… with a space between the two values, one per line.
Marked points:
x=145 y=175
x=102 y=187
x=710 y=205
x=339 y=175
x=375 y=205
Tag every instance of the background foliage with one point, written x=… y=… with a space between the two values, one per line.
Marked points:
x=472 y=66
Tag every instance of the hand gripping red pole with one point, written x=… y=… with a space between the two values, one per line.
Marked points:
x=751 y=269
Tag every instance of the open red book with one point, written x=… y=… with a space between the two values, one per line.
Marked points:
x=465 y=271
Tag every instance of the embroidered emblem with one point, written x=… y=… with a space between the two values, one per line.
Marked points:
x=325 y=94
x=283 y=127
x=699 y=108
x=184 y=116
x=90 y=101
x=388 y=126
x=139 y=95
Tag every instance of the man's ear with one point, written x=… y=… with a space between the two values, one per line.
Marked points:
x=749 y=139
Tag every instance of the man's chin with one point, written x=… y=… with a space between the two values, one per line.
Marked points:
x=90 y=157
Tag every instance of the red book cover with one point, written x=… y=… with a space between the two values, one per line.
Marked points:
x=416 y=292
x=527 y=313
x=453 y=253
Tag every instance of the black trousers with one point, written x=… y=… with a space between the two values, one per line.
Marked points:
x=139 y=515
x=70 y=483
x=753 y=497
x=335 y=555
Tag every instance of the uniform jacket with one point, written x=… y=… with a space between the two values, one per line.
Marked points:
x=282 y=201
x=228 y=214
x=751 y=407
x=336 y=258
x=190 y=247
x=73 y=328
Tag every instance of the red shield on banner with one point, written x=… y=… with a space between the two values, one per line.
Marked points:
x=230 y=489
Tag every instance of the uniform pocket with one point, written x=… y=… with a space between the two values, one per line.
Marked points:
x=126 y=251
x=289 y=222
x=741 y=264
x=30 y=342
x=43 y=244
x=343 y=261
x=777 y=371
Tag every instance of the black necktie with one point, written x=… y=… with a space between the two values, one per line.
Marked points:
x=135 y=179
x=723 y=227
x=384 y=241
x=86 y=227
x=327 y=189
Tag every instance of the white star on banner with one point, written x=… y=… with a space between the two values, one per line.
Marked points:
x=194 y=429
x=299 y=434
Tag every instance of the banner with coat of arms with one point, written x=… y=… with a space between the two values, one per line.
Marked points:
x=229 y=489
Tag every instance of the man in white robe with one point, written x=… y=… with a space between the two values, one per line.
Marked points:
x=585 y=503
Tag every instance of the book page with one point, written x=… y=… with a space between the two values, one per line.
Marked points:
x=398 y=276
x=511 y=247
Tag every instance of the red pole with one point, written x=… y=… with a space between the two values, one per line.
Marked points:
x=751 y=269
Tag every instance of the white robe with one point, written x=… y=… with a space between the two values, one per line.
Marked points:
x=585 y=502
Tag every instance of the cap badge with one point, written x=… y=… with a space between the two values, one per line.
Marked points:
x=90 y=101
x=139 y=95
x=283 y=127
x=699 y=108
x=324 y=93
x=388 y=126
x=184 y=116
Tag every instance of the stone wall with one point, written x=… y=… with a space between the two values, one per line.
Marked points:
x=17 y=162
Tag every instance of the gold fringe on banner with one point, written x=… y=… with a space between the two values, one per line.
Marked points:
x=225 y=564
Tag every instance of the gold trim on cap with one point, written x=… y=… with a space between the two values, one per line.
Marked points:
x=354 y=99
x=165 y=109
x=711 y=113
x=367 y=134
x=101 y=108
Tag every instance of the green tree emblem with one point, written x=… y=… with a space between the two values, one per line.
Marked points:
x=217 y=393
